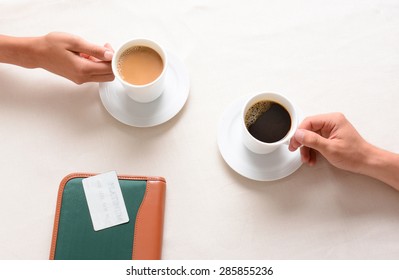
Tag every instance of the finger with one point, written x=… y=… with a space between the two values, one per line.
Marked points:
x=92 y=58
x=84 y=55
x=318 y=123
x=308 y=156
x=94 y=68
x=312 y=157
x=109 y=47
x=305 y=154
x=311 y=139
x=102 y=78
x=294 y=143
x=80 y=45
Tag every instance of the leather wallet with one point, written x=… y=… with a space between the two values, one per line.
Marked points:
x=141 y=238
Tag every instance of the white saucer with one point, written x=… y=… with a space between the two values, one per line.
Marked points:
x=130 y=112
x=269 y=167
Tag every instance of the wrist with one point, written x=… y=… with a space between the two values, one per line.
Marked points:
x=370 y=159
x=30 y=52
x=381 y=165
x=21 y=51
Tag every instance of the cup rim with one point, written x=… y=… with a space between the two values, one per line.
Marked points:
x=273 y=97
x=129 y=43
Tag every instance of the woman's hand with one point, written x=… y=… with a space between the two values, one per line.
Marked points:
x=74 y=58
x=64 y=54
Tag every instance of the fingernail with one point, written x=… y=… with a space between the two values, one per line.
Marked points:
x=299 y=135
x=108 y=55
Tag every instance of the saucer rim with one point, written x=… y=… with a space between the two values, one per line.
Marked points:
x=179 y=70
x=228 y=118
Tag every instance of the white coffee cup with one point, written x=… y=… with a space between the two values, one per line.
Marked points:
x=260 y=147
x=147 y=92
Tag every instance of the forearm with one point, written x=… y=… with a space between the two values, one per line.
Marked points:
x=21 y=51
x=382 y=165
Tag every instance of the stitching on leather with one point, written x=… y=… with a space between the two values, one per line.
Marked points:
x=138 y=220
x=58 y=212
x=123 y=177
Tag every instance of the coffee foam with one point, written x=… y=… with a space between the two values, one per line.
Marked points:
x=126 y=53
x=255 y=111
x=139 y=51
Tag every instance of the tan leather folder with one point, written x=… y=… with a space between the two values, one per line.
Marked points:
x=140 y=238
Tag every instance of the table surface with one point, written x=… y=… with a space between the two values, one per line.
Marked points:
x=325 y=55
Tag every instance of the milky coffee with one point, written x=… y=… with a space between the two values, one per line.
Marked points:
x=140 y=65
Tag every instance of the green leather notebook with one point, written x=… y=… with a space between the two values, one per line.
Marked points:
x=141 y=238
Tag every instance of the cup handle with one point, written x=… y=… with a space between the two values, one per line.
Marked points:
x=287 y=142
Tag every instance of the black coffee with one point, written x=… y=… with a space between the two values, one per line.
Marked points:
x=268 y=121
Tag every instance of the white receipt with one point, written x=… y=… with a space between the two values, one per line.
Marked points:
x=105 y=200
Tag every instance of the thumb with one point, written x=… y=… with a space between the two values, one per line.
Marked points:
x=311 y=139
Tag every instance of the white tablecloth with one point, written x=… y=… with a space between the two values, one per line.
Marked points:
x=325 y=55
